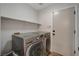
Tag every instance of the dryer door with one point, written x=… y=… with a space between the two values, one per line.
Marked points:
x=35 y=49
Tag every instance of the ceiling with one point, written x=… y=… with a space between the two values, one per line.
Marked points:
x=40 y=6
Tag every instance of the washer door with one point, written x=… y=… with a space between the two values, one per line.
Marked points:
x=35 y=49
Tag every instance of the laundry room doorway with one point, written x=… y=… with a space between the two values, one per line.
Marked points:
x=63 y=31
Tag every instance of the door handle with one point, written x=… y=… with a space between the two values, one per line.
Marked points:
x=53 y=34
x=53 y=30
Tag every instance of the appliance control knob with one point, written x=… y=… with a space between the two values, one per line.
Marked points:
x=41 y=35
x=37 y=38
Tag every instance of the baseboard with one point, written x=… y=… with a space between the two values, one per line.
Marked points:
x=54 y=53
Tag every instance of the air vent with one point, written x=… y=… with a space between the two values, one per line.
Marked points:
x=40 y=3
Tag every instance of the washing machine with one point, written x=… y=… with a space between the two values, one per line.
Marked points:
x=36 y=49
x=28 y=44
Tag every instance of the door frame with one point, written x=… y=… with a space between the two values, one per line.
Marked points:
x=75 y=40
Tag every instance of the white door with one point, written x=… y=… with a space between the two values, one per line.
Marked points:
x=63 y=31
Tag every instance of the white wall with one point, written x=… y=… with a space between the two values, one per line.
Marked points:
x=46 y=17
x=77 y=30
x=0 y=32
x=0 y=35
x=8 y=27
x=18 y=11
